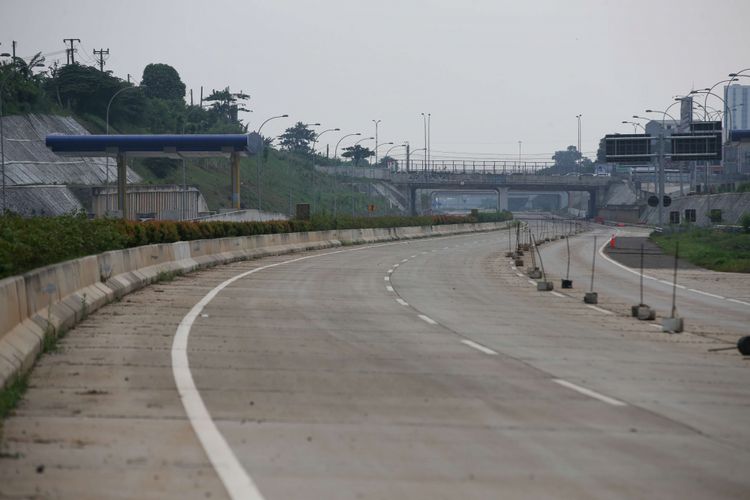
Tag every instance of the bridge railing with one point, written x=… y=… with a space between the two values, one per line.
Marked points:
x=497 y=167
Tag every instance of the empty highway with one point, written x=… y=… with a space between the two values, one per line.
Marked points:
x=428 y=369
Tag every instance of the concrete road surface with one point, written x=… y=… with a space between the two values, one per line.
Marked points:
x=420 y=370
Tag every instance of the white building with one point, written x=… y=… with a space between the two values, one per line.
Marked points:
x=738 y=105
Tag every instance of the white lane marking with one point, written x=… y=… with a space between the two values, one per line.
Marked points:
x=655 y=326
x=446 y=248
x=402 y=302
x=557 y=294
x=406 y=260
x=396 y=265
x=681 y=287
x=386 y=278
x=519 y=275
x=532 y=282
x=424 y=253
x=390 y=271
x=389 y=288
x=513 y=267
x=589 y=392
x=739 y=302
x=637 y=273
x=479 y=347
x=427 y=319
x=706 y=293
x=413 y=256
x=204 y=315
x=599 y=309
x=236 y=480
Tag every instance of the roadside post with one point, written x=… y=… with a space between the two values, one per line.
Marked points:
x=534 y=272
x=567 y=282
x=673 y=324
x=591 y=297
x=641 y=310
x=542 y=285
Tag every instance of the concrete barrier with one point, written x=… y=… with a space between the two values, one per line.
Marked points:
x=46 y=301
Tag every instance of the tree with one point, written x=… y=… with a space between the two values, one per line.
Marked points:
x=357 y=153
x=162 y=82
x=566 y=161
x=228 y=104
x=601 y=152
x=297 y=138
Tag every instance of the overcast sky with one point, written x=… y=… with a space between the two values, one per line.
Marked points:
x=491 y=72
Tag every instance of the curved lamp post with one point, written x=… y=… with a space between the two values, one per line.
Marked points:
x=728 y=113
x=394 y=147
x=376 y=122
x=109 y=104
x=711 y=88
x=336 y=149
x=260 y=155
x=635 y=126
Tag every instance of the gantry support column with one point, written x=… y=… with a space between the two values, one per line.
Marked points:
x=122 y=182
x=235 y=158
x=502 y=198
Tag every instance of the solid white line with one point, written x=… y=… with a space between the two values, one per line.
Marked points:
x=236 y=480
x=532 y=282
x=706 y=293
x=386 y=278
x=428 y=319
x=479 y=347
x=599 y=309
x=589 y=392
x=739 y=302
x=681 y=287
x=557 y=294
x=389 y=288
x=402 y=302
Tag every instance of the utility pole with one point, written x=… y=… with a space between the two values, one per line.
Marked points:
x=70 y=53
x=429 y=139
x=14 y=43
x=407 y=158
x=101 y=53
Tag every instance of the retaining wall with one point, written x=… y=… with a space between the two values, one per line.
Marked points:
x=48 y=300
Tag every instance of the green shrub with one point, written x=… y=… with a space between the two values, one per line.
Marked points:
x=27 y=244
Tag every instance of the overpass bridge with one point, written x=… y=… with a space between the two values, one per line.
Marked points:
x=502 y=183
x=500 y=177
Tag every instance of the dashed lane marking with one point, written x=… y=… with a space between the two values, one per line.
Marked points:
x=589 y=393
x=389 y=288
x=402 y=302
x=599 y=309
x=427 y=319
x=557 y=294
x=479 y=347
x=386 y=278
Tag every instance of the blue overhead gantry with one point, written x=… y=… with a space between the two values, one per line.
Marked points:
x=166 y=146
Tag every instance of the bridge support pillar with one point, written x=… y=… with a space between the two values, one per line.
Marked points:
x=235 y=173
x=122 y=182
x=412 y=201
x=592 y=208
x=502 y=198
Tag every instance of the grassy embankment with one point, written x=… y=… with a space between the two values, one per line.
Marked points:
x=715 y=250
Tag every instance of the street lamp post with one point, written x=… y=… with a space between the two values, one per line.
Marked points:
x=317 y=136
x=336 y=149
x=635 y=126
x=376 y=122
x=353 y=184
x=394 y=147
x=580 y=156
x=659 y=177
x=312 y=170
x=260 y=156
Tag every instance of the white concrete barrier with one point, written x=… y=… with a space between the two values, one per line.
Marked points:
x=46 y=301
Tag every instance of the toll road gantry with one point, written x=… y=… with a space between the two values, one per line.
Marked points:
x=122 y=147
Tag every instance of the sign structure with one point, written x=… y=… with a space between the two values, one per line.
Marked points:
x=628 y=148
x=696 y=146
